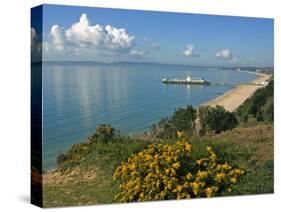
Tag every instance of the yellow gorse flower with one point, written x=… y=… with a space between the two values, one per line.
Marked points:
x=209 y=192
x=202 y=174
x=189 y=176
x=176 y=165
x=233 y=180
x=162 y=172
x=219 y=177
x=209 y=149
x=180 y=134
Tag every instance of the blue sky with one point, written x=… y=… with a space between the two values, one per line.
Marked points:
x=80 y=33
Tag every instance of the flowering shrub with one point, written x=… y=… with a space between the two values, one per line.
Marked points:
x=168 y=171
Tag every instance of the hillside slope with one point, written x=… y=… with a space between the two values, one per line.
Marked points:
x=89 y=181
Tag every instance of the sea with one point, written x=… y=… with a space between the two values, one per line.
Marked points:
x=129 y=96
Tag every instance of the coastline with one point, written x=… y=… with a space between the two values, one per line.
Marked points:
x=233 y=98
x=230 y=100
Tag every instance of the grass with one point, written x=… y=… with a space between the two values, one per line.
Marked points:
x=101 y=162
x=252 y=149
x=89 y=181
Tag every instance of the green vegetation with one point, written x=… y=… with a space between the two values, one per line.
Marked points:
x=192 y=121
x=216 y=119
x=183 y=119
x=89 y=181
x=241 y=139
x=104 y=133
x=259 y=106
x=173 y=171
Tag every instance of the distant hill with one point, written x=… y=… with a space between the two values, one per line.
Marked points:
x=130 y=63
x=116 y=63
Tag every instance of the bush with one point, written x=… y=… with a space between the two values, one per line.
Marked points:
x=170 y=171
x=251 y=122
x=183 y=119
x=104 y=133
x=269 y=112
x=164 y=129
x=212 y=119
x=259 y=106
x=75 y=153
x=216 y=119
x=61 y=158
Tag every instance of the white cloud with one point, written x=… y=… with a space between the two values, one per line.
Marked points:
x=33 y=35
x=137 y=52
x=188 y=52
x=36 y=45
x=224 y=54
x=83 y=38
x=83 y=33
x=57 y=37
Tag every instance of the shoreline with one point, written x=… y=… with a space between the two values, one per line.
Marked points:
x=233 y=98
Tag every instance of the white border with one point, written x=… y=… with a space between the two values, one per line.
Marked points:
x=15 y=101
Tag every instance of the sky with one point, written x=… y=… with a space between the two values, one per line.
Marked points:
x=99 y=34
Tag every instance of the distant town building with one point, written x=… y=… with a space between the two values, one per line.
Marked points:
x=265 y=83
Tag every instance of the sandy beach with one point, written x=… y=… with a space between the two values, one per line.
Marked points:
x=231 y=100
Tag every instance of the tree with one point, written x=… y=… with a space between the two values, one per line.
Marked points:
x=216 y=119
x=184 y=119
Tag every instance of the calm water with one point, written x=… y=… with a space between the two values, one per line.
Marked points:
x=77 y=98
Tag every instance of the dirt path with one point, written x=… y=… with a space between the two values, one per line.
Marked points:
x=74 y=175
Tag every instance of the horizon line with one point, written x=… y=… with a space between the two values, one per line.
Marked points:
x=152 y=63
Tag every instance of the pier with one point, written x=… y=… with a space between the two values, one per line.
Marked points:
x=189 y=81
